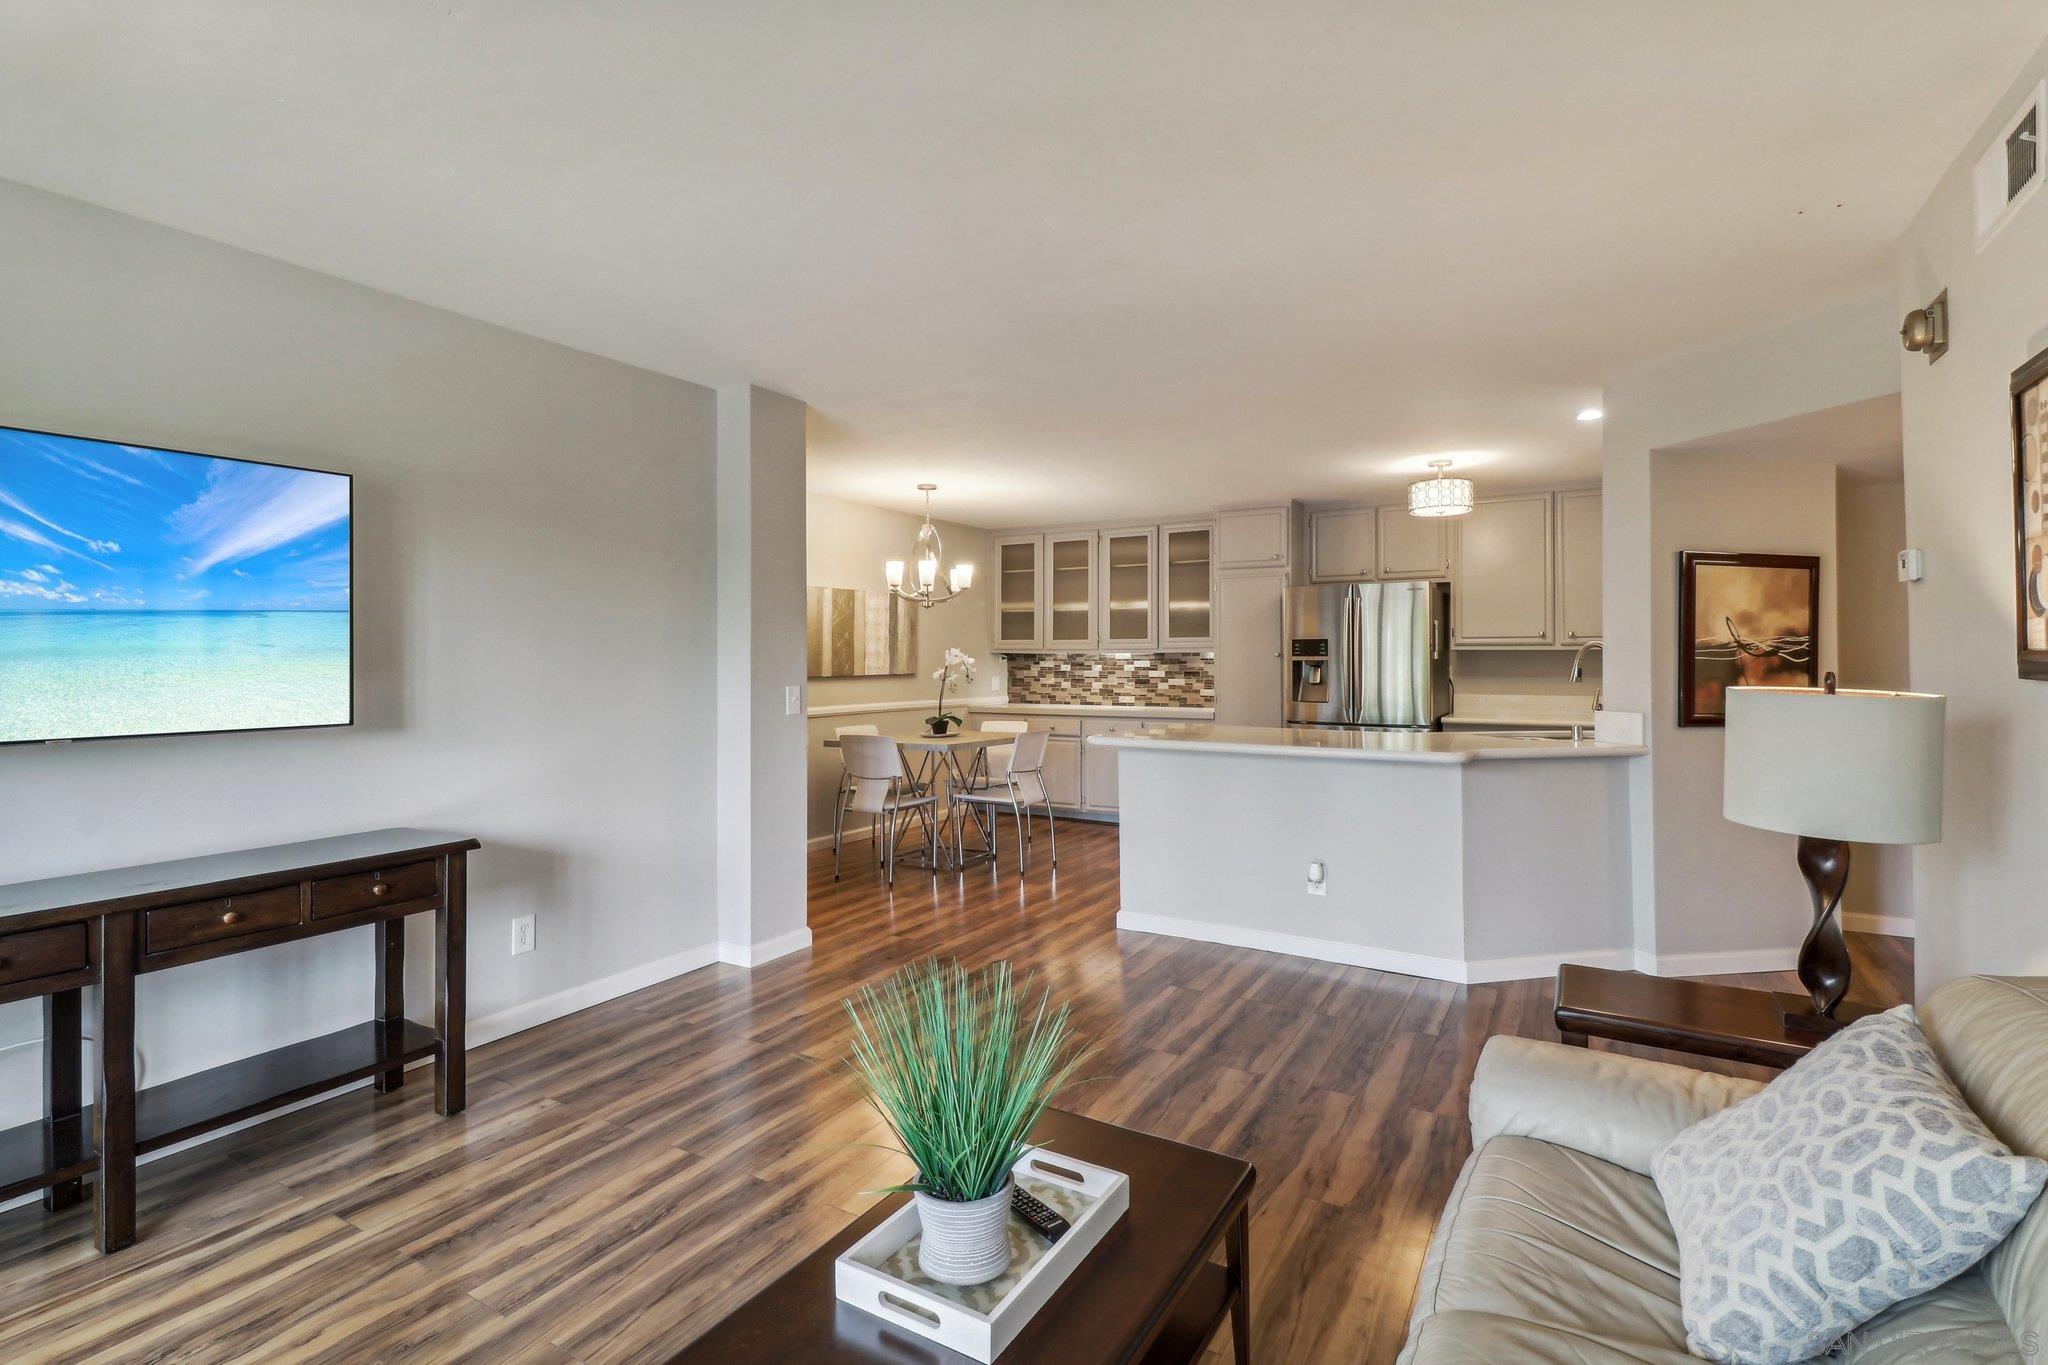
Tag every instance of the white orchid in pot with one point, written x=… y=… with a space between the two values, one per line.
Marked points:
x=961 y=1068
x=957 y=664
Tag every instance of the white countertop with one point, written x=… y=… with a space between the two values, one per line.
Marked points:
x=1106 y=709
x=1386 y=746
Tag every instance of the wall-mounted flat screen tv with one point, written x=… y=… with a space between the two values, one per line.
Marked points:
x=159 y=592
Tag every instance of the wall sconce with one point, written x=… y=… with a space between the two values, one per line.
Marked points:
x=1926 y=329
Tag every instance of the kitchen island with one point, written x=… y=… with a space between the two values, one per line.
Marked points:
x=1460 y=857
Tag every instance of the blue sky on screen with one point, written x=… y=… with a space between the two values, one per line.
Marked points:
x=92 y=526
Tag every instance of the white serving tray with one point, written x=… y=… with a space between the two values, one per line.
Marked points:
x=879 y=1275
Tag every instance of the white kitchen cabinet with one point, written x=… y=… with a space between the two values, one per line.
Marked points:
x=1098 y=765
x=1412 y=546
x=1253 y=538
x=1070 y=574
x=1578 y=566
x=1063 y=770
x=1129 y=588
x=1019 y=592
x=1343 y=544
x=1187 y=585
x=1502 y=583
x=1250 y=672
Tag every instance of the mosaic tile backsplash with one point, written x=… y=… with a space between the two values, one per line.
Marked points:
x=1114 y=679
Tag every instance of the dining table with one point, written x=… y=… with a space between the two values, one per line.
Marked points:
x=941 y=764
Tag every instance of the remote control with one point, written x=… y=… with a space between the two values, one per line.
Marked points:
x=1039 y=1215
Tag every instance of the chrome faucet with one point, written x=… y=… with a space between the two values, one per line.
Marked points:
x=1579 y=675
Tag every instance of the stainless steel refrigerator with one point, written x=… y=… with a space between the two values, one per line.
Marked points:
x=1369 y=655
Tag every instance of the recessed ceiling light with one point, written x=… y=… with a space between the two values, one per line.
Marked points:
x=1590 y=414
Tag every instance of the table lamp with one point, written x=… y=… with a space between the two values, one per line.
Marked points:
x=1833 y=767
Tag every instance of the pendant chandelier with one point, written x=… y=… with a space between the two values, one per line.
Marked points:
x=1440 y=497
x=924 y=587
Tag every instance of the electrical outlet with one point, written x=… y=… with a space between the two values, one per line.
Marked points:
x=522 y=935
x=1318 y=879
x=793 y=701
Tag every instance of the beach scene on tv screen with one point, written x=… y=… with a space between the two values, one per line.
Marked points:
x=151 y=592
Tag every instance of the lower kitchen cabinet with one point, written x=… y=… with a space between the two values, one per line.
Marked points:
x=1098 y=765
x=1063 y=770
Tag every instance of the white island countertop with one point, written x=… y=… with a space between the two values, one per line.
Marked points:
x=1384 y=746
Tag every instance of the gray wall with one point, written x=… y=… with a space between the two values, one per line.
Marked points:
x=1723 y=888
x=1841 y=356
x=1979 y=893
x=1872 y=651
x=534 y=571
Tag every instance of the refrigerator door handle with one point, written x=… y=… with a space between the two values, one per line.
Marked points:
x=1354 y=620
x=1366 y=654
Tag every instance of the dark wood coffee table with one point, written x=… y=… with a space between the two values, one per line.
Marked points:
x=1148 y=1292
x=1731 y=1022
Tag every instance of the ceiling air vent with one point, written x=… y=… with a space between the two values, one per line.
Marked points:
x=2009 y=171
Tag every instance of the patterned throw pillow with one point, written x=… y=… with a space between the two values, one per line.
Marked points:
x=1856 y=1179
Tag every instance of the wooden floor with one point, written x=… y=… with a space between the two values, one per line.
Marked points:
x=625 y=1176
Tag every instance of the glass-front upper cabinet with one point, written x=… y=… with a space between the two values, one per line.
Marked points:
x=1019 y=591
x=1128 y=597
x=1070 y=591
x=1187 y=585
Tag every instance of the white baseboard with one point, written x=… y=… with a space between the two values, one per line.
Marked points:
x=758 y=954
x=1718 y=964
x=1483 y=970
x=1896 y=926
x=532 y=1013
x=1454 y=970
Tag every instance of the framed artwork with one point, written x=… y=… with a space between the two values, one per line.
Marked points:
x=855 y=633
x=1744 y=621
x=2030 y=541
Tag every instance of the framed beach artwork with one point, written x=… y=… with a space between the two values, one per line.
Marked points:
x=855 y=633
x=1744 y=621
x=2030 y=538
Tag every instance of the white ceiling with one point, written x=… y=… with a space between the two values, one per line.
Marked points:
x=1865 y=440
x=1066 y=258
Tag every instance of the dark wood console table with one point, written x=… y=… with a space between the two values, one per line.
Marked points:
x=104 y=928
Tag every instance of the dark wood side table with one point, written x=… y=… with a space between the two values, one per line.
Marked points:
x=1147 y=1293
x=63 y=934
x=1734 y=1023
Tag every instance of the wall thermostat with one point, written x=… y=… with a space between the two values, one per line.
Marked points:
x=1912 y=566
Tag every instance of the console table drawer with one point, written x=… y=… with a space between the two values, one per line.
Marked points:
x=43 y=952
x=188 y=926
x=365 y=890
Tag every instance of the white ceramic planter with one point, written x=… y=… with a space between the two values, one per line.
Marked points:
x=964 y=1243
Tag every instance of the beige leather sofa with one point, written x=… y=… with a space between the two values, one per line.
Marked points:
x=1554 y=1246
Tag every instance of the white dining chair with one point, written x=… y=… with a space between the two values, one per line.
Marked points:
x=840 y=732
x=1021 y=789
x=880 y=788
x=995 y=760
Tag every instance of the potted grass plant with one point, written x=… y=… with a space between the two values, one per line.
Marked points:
x=960 y=1066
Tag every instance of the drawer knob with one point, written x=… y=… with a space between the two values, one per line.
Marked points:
x=231 y=917
x=378 y=888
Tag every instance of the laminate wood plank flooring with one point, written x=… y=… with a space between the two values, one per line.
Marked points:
x=625 y=1176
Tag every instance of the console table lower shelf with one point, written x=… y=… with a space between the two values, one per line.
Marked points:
x=52 y=1151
